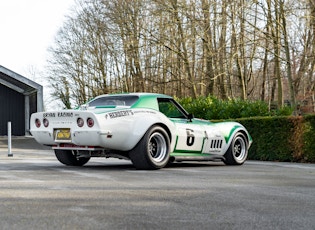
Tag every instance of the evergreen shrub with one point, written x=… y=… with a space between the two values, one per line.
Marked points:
x=281 y=138
x=277 y=136
x=213 y=108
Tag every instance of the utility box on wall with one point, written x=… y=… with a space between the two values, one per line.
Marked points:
x=19 y=98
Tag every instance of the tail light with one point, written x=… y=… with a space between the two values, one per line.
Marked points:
x=80 y=122
x=37 y=123
x=45 y=122
x=90 y=122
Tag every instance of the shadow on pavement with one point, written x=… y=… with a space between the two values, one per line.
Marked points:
x=22 y=142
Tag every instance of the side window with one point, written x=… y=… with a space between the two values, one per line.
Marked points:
x=169 y=109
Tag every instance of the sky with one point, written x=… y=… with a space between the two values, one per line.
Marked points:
x=27 y=29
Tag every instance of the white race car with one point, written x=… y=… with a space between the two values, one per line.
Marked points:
x=149 y=129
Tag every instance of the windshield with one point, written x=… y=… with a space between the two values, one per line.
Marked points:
x=127 y=100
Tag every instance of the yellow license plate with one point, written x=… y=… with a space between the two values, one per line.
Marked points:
x=62 y=134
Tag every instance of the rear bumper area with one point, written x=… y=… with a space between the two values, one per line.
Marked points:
x=67 y=146
x=77 y=138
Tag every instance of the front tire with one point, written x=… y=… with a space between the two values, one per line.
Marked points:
x=152 y=151
x=238 y=150
x=68 y=157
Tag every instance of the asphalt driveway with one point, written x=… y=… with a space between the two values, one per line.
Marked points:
x=37 y=192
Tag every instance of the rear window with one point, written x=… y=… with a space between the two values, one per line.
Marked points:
x=128 y=100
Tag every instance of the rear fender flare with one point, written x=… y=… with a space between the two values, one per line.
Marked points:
x=142 y=126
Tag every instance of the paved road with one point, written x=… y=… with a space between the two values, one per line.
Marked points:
x=37 y=192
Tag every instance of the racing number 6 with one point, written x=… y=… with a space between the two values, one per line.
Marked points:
x=190 y=137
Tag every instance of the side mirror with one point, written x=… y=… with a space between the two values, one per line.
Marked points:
x=190 y=116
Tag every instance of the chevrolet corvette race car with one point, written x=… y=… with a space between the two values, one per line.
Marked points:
x=149 y=129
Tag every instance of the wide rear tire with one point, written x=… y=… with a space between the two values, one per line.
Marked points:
x=68 y=157
x=238 y=150
x=152 y=151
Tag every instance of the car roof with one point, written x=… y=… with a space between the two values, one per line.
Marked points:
x=146 y=100
x=139 y=94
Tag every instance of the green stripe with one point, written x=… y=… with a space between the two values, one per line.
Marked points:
x=186 y=151
x=191 y=154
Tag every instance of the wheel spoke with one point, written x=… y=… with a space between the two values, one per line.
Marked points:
x=239 y=148
x=157 y=147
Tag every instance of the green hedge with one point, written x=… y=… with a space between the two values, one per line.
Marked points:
x=277 y=136
x=213 y=108
x=285 y=139
x=309 y=138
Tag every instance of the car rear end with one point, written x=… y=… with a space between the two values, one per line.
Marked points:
x=66 y=127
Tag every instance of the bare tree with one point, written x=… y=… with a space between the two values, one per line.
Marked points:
x=240 y=49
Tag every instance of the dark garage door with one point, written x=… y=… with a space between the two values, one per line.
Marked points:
x=12 y=108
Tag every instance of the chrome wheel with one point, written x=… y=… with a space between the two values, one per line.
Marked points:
x=153 y=150
x=157 y=147
x=238 y=150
